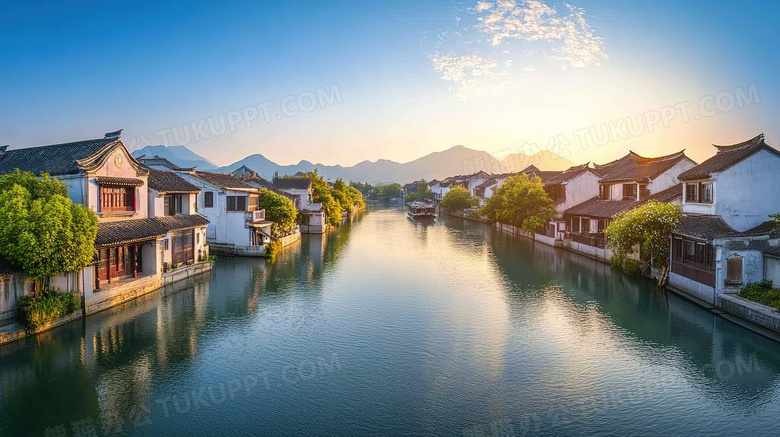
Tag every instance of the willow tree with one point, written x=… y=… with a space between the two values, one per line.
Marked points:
x=648 y=226
x=521 y=202
x=42 y=232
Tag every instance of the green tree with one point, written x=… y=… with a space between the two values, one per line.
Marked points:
x=322 y=194
x=42 y=231
x=776 y=218
x=389 y=191
x=458 y=198
x=280 y=210
x=648 y=225
x=520 y=202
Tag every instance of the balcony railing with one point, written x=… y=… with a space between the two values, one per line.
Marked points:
x=596 y=240
x=694 y=272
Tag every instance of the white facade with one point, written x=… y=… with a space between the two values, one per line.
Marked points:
x=242 y=232
x=745 y=194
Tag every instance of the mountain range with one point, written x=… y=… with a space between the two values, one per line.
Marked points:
x=456 y=160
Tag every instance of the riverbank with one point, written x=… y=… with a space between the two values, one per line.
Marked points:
x=348 y=334
x=759 y=318
x=111 y=296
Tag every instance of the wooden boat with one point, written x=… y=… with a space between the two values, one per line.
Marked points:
x=422 y=211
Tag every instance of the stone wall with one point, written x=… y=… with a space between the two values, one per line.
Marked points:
x=753 y=312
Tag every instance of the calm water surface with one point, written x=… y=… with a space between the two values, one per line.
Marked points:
x=390 y=327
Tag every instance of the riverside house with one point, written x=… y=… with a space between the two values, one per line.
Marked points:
x=567 y=188
x=313 y=219
x=625 y=183
x=726 y=240
x=102 y=175
x=237 y=226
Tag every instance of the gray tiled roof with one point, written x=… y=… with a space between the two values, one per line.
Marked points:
x=222 y=180
x=179 y=222
x=169 y=182
x=634 y=167
x=703 y=227
x=767 y=227
x=773 y=252
x=159 y=160
x=727 y=156
x=118 y=182
x=128 y=231
x=596 y=207
x=292 y=183
x=566 y=175
x=667 y=195
x=57 y=159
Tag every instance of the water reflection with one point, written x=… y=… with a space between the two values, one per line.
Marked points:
x=439 y=328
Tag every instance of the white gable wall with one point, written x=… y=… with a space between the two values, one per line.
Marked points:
x=746 y=193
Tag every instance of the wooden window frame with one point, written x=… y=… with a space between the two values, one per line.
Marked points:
x=114 y=199
x=208 y=199
x=236 y=204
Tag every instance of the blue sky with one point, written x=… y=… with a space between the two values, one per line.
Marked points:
x=411 y=77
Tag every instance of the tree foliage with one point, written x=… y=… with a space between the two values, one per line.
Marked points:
x=321 y=194
x=648 y=225
x=348 y=197
x=458 y=198
x=280 y=210
x=521 y=202
x=42 y=231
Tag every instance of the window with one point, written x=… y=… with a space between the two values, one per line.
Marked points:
x=253 y=202
x=208 y=199
x=585 y=225
x=575 y=224
x=602 y=225
x=734 y=269
x=689 y=251
x=709 y=257
x=165 y=244
x=604 y=191
x=677 y=245
x=236 y=203
x=691 y=193
x=705 y=192
x=117 y=199
x=172 y=204
x=629 y=191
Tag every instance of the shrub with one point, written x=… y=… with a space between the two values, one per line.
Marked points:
x=762 y=292
x=616 y=261
x=631 y=267
x=35 y=310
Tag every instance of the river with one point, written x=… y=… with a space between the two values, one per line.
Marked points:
x=388 y=327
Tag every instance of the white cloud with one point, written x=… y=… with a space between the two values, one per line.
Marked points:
x=473 y=74
x=483 y=6
x=533 y=20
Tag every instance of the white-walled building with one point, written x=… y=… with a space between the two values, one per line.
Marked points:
x=625 y=184
x=103 y=176
x=236 y=225
x=172 y=201
x=726 y=239
x=569 y=188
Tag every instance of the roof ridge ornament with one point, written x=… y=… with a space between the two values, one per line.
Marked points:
x=114 y=135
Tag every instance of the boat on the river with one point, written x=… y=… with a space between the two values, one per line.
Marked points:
x=422 y=211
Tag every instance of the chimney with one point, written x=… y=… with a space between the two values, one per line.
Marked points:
x=113 y=135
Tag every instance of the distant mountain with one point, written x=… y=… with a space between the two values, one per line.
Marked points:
x=179 y=155
x=438 y=165
x=456 y=160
